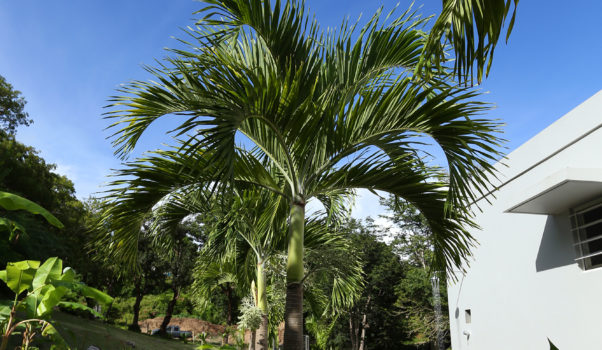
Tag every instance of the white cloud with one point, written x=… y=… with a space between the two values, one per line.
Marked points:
x=66 y=170
x=88 y=177
x=367 y=205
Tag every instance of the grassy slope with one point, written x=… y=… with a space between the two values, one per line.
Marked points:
x=81 y=333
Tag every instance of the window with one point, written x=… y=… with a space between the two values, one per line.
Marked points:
x=586 y=223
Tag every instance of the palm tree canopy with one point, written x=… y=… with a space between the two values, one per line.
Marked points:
x=328 y=111
x=165 y=187
x=241 y=227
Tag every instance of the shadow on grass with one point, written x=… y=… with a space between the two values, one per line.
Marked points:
x=80 y=333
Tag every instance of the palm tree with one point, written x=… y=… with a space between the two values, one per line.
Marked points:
x=327 y=113
x=251 y=228
x=240 y=234
x=247 y=229
x=246 y=226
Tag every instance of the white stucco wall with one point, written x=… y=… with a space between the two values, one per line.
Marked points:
x=523 y=285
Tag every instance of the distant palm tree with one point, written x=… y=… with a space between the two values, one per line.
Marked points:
x=329 y=112
x=251 y=230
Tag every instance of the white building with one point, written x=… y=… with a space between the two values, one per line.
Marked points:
x=537 y=271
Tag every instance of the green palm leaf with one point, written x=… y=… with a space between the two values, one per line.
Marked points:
x=473 y=28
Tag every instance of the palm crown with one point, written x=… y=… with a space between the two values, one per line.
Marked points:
x=324 y=113
x=327 y=112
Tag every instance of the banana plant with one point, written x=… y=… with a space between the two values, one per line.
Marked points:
x=9 y=201
x=38 y=289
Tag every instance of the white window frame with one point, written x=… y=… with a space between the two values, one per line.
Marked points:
x=582 y=251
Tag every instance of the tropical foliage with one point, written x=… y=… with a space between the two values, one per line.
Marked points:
x=37 y=290
x=24 y=173
x=9 y=201
x=275 y=112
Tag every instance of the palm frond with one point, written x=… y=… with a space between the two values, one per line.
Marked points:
x=473 y=28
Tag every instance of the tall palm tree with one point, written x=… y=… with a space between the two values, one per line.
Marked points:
x=328 y=111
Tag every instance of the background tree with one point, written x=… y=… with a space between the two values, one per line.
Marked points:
x=25 y=173
x=181 y=255
x=150 y=276
x=92 y=257
x=12 y=108
x=374 y=321
x=412 y=241
x=211 y=276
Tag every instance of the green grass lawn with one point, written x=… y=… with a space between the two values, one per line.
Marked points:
x=81 y=333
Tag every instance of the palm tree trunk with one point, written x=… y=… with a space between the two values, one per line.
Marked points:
x=293 y=312
x=262 y=304
x=252 y=341
x=262 y=334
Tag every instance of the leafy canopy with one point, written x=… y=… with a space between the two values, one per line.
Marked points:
x=12 y=105
x=325 y=112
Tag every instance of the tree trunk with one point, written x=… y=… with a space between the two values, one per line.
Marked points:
x=293 y=312
x=229 y=313
x=262 y=303
x=365 y=325
x=363 y=336
x=262 y=334
x=225 y=339
x=139 y=295
x=169 y=312
x=229 y=320
x=352 y=332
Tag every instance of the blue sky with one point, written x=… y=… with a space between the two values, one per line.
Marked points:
x=68 y=57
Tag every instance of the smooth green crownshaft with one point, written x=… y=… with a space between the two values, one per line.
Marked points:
x=262 y=301
x=294 y=263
